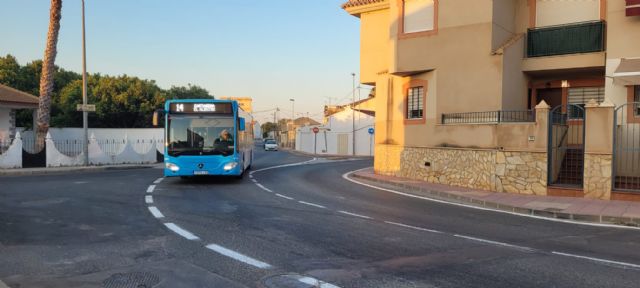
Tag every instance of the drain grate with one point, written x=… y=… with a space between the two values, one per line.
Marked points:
x=132 y=280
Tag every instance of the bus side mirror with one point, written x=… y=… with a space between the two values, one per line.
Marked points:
x=241 y=124
x=156 y=117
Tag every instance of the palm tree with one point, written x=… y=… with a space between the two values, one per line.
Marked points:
x=48 y=68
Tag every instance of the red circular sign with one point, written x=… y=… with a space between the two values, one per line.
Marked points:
x=315 y=130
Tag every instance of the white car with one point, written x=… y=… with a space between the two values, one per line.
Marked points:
x=270 y=144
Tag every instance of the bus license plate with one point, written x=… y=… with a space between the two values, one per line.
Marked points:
x=200 y=172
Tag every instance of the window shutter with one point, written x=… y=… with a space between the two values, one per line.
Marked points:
x=582 y=95
x=419 y=15
x=558 y=12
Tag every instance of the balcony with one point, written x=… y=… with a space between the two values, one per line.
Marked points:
x=585 y=37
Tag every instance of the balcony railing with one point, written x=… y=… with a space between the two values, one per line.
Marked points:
x=489 y=117
x=582 y=37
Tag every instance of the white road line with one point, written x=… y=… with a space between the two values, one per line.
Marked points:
x=151 y=188
x=283 y=196
x=254 y=180
x=184 y=233
x=264 y=188
x=413 y=227
x=316 y=283
x=346 y=177
x=523 y=248
x=237 y=256
x=625 y=264
x=158 y=181
x=250 y=175
x=311 y=204
x=148 y=199
x=282 y=166
x=156 y=213
x=354 y=214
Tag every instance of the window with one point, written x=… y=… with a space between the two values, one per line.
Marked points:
x=418 y=16
x=561 y=12
x=580 y=97
x=636 y=99
x=415 y=105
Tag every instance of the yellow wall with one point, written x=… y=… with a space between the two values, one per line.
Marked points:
x=374 y=44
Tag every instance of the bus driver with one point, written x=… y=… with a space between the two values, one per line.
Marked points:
x=225 y=141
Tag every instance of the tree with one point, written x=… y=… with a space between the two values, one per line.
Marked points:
x=267 y=128
x=189 y=92
x=46 y=80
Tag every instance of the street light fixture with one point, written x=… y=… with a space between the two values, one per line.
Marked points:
x=293 y=121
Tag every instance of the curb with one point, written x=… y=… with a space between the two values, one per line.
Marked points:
x=627 y=222
x=2 y=285
x=66 y=170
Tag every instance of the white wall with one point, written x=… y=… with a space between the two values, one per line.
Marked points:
x=326 y=140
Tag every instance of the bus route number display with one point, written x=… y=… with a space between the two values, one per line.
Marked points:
x=217 y=108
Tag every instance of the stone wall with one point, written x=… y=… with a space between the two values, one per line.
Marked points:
x=597 y=176
x=512 y=172
x=521 y=172
x=450 y=166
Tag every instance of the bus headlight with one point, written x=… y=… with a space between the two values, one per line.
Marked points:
x=230 y=166
x=172 y=167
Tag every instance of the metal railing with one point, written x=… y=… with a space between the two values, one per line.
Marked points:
x=584 y=37
x=489 y=117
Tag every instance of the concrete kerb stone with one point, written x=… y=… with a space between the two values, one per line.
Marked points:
x=454 y=198
x=65 y=170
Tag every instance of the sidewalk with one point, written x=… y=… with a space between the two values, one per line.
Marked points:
x=63 y=170
x=577 y=209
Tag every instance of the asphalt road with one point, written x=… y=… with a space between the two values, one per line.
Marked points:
x=279 y=225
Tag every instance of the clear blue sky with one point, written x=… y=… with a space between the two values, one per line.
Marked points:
x=268 y=50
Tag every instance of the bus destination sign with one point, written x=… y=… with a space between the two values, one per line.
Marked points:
x=208 y=108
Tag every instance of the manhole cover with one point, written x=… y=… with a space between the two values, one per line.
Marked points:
x=132 y=280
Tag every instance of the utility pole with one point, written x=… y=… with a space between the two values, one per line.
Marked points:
x=293 y=121
x=353 y=116
x=85 y=113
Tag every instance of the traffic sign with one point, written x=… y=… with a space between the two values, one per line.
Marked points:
x=86 y=107
x=371 y=131
x=315 y=130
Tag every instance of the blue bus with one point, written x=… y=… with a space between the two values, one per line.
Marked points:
x=206 y=137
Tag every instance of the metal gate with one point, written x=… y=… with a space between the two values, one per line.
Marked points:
x=566 y=146
x=626 y=148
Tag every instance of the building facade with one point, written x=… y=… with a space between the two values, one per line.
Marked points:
x=505 y=95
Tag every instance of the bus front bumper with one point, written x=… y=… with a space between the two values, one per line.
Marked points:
x=183 y=166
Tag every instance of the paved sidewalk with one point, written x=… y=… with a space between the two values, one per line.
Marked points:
x=577 y=209
x=63 y=170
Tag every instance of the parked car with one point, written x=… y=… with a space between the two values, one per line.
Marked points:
x=270 y=144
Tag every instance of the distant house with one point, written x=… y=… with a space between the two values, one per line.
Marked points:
x=336 y=135
x=11 y=100
x=288 y=131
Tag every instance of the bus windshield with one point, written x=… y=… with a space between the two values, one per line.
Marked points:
x=200 y=135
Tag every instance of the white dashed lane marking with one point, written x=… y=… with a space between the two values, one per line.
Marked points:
x=284 y=196
x=148 y=199
x=316 y=283
x=155 y=212
x=158 y=181
x=413 y=227
x=354 y=214
x=151 y=188
x=523 y=248
x=237 y=256
x=184 y=233
x=610 y=262
x=312 y=204
x=264 y=188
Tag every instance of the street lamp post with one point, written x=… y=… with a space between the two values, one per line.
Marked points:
x=353 y=116
x=85 y=113
x=293 y=121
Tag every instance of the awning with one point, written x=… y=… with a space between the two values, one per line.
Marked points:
x=628 y=72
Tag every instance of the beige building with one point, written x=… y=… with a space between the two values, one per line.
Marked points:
x=493 y=94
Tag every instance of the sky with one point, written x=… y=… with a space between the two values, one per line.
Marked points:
x=271 y=51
